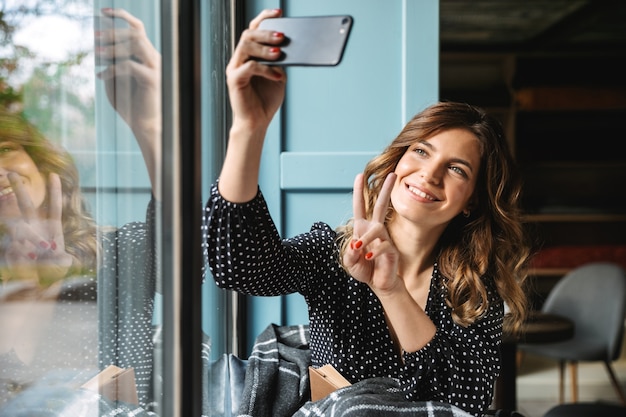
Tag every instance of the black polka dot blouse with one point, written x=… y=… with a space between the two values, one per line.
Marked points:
x=348 y=328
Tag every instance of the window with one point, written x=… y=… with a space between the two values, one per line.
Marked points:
x=105 y=282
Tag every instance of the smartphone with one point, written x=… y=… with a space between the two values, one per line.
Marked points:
x=105 y=23
x=311 y=40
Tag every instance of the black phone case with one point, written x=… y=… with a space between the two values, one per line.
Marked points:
x=311 y=40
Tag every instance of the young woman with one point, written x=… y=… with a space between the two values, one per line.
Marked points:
x=414 y=286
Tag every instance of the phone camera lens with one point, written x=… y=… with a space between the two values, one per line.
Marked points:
x=345 y=21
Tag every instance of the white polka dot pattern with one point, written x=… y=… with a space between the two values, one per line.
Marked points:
x=348 y=329
x=127 y=283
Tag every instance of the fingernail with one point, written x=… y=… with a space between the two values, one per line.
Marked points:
x=32 y=255
x=278 y=35
x=53 y=245
x=358 y=244
x=44 y=245
x=274 y=50
x=369 y=255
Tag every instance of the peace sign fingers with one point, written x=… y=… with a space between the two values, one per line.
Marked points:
x=370 y=236
x=367 y=230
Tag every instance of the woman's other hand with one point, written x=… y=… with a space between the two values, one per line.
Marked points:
x=372 y=257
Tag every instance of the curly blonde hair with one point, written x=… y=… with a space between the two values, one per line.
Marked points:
x=78 y=225
x=492 y=242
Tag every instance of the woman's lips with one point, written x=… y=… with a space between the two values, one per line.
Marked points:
x=421 y=193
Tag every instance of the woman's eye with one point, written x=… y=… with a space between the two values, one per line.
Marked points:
x=458 y=170
x=6 y=148
x=419 y=151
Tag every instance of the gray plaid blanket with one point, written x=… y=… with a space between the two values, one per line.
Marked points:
x=376 y=397
x=277 y=378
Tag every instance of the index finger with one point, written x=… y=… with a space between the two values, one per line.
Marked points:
x=382 y=202
x=254 y=23
x=358 y=202
x=24 y=202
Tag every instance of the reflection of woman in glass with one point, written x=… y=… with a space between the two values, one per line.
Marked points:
x=46 y=230
x=48 y=236
x=126 y=293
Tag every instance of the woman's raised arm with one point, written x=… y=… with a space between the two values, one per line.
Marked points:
x=256 y=93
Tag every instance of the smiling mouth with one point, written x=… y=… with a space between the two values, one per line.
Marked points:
x=420 y=193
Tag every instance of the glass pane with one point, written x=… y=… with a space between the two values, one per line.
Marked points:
x=79 y=135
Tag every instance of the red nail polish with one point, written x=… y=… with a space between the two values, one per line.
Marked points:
x=358 y=244
x=53 y=245
x=369 y=255
x=274 y=50
x=44 y=245
x=278 y=35
x=32 y=255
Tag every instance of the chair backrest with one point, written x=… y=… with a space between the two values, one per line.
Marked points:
x=594 y=297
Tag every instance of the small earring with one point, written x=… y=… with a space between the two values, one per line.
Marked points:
x=467 y=213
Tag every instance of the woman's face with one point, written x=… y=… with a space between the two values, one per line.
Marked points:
x=13 y=158
x=436 y=177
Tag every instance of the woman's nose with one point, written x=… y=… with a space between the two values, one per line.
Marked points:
x=432 y=174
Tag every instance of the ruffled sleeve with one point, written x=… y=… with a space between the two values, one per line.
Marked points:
x=245 y=252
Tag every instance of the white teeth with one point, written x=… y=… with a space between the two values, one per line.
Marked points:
x=6 y=191
x=420 y=193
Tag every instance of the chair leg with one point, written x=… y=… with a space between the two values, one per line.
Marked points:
x=573 y=366
x=615 y=382
x=561 y=382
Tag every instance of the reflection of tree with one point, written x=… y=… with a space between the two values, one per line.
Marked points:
x=57 y=96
